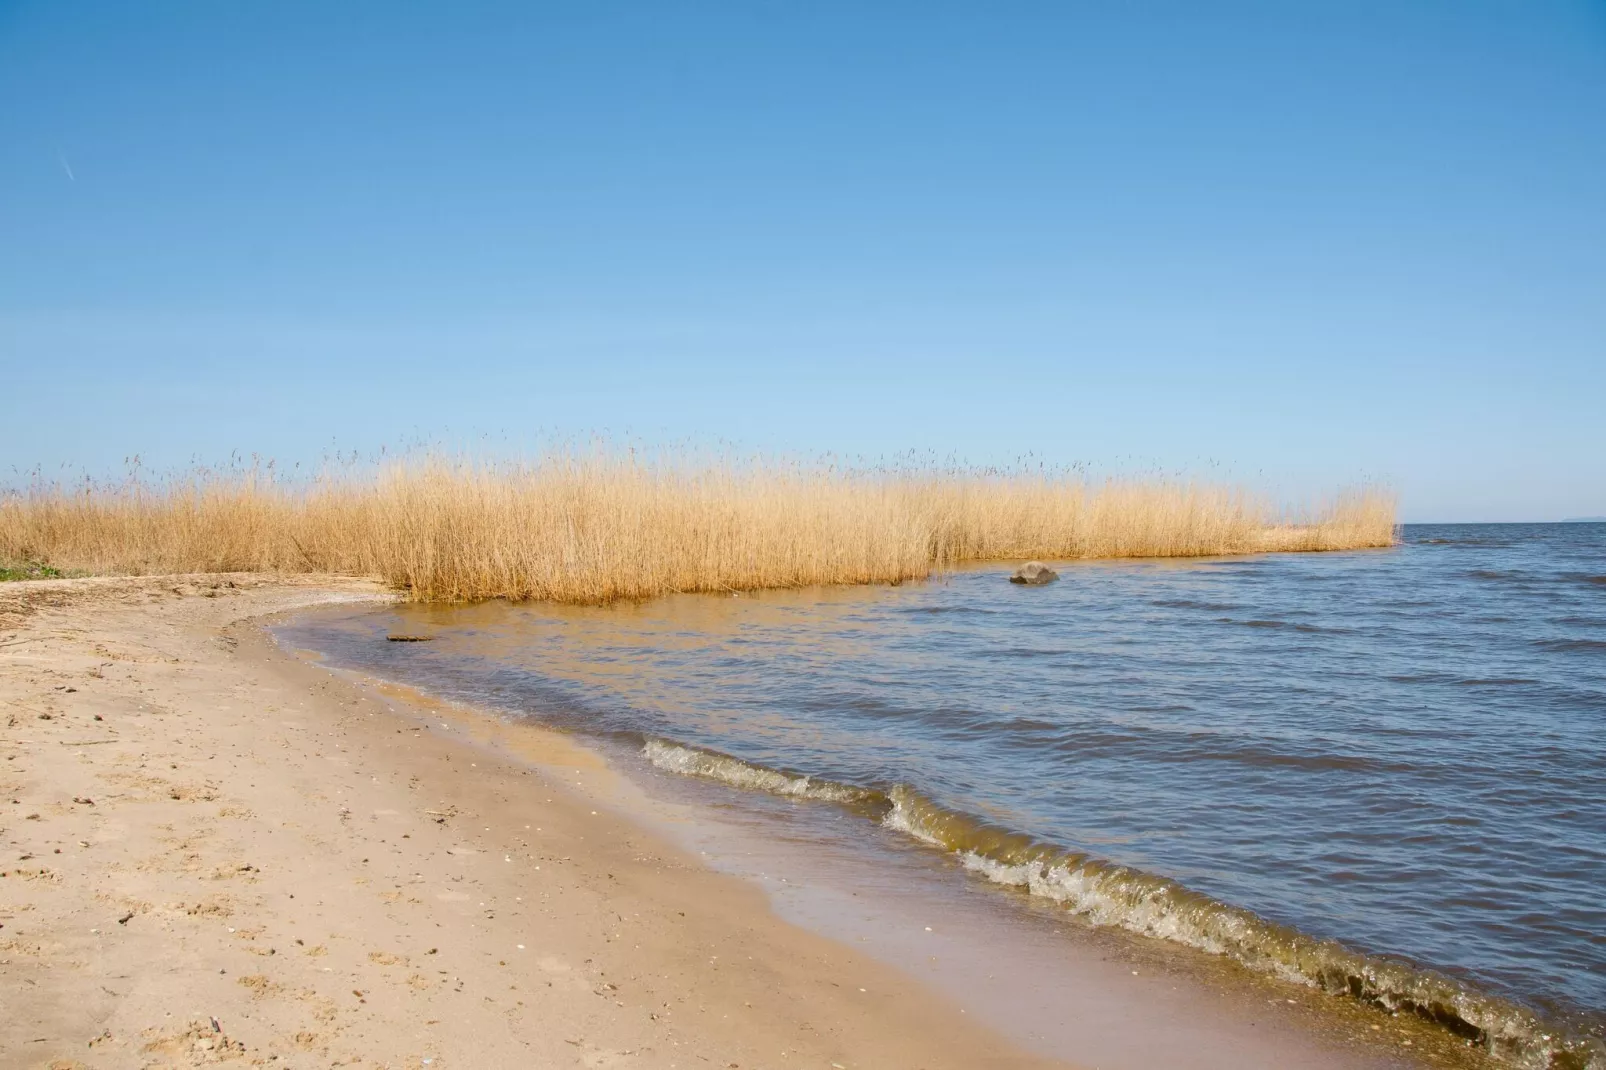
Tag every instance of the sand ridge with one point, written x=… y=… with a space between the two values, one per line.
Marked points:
x=214 y=853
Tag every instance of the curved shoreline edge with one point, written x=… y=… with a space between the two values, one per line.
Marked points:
x=260 y=859
x=1105 y=893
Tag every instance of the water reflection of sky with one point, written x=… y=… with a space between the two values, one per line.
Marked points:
x=1399 y=748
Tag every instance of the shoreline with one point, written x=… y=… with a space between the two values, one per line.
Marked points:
x=615 y=524
x=827 y=853
x=228 y=776
x=267 y=848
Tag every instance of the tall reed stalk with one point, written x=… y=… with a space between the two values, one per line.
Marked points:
x=596 y=528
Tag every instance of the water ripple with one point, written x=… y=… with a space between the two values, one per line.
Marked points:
x=1398 y=755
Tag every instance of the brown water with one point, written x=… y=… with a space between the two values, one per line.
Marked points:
x=1381 y=775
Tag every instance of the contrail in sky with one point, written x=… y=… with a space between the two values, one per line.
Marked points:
x=67 y=167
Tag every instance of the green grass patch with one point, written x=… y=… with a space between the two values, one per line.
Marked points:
x=31 y=570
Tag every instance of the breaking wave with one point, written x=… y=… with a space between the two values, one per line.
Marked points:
x=1104 y=893
x=1107 y=894
x=710 y=765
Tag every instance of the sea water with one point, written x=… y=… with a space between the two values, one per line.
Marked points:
x=1378 y=773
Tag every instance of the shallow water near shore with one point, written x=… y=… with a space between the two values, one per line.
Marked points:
x=1382 y=773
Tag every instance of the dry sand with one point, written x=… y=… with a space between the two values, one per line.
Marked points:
x=211 y=852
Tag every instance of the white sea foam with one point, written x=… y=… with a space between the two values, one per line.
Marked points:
x=1106 y=894
x=688 y=761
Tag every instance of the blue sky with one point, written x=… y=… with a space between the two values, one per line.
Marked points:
x=1291 y=244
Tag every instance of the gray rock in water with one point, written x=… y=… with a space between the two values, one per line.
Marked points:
x=1034 y=573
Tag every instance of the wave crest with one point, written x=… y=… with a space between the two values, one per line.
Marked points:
x=1108 y=894
x=1104 y=893
x=710 y=765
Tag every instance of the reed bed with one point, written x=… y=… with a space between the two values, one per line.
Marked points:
x=599 y=528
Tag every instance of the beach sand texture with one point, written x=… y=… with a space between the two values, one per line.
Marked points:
x=199 y=829
x=216 y=851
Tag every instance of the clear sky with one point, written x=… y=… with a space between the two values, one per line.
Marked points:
x=1295 y=244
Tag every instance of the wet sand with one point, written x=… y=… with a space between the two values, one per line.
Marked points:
x=199 y=829
x=216 y=852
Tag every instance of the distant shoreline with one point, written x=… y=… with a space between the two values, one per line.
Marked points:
x=606 y=527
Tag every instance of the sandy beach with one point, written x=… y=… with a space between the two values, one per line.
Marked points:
x=217 y=850
x=217 y=853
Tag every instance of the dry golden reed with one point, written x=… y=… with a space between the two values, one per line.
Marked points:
x=596 y=528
